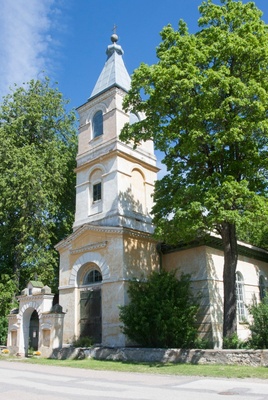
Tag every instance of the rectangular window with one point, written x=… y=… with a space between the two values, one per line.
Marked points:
x=97 y=192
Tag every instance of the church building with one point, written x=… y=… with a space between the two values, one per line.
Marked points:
x=112 y=240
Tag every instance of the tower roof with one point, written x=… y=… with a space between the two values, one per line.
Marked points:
x=114 y=72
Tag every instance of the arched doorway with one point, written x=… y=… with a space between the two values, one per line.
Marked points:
x=34 y=331
x=90 y=305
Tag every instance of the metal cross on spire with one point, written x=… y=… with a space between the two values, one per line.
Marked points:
x=114 y=29
x=114 y=37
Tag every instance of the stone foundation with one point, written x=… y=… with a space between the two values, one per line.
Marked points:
x=254 y=358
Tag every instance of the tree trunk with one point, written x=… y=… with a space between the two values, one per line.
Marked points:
x=229 y=239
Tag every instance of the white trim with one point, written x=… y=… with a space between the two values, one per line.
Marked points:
x=95 y=258
x=98 y=107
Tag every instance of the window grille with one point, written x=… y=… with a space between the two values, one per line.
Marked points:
x=92 y=276
x=240 y=297
x=97 y=191
x=97 y=124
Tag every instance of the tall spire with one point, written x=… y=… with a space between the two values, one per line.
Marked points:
x=114 y=72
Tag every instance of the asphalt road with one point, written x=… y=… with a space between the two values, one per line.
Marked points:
x=21 y=381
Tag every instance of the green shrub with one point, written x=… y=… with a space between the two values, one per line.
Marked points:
x=3 y=330
x=202 y=343
x=84 y=341
x=259 y=326
x=233 y=342
x=161 y=312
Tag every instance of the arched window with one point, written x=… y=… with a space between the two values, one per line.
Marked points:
x=93 y=276
x=262 y=287
x=240 y=297
x=138 y=191
x=97 y=124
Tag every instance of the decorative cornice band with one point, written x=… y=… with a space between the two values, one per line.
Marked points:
x=90 y=247
x=99 y=228
x=87 y=227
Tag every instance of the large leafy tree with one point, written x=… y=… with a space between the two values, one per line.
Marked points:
x=206 y=102
x=37 y=156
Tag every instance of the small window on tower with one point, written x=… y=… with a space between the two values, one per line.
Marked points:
x=97 y=124
x=97 y=192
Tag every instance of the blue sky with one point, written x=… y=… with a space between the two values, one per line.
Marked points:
x=68 y=38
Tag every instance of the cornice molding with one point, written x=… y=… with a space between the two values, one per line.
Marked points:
x=92 y=246
x=84 y=228
x=100 y=98
x=110 y=150
x=215 y=242
x=66 y=243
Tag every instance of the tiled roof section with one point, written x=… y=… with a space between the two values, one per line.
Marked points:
x=36 y=284
x=114 y=72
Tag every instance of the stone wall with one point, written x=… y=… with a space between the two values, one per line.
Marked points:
x=225 y=357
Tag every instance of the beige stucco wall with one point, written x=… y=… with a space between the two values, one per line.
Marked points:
x=194 y=261
x=120 y=254
x=205 y=265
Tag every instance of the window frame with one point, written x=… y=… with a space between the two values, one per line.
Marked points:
x=240 y=297
x=96 y=192
x=97 y=124
x=96 y=277
x=262 y=287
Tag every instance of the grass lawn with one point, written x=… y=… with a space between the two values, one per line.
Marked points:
x=219 y=371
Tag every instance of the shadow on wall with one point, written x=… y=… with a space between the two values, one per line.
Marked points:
x=206 y=288
x=215 y=292
x=140 y=254
x=141 y=257
x=129 y=204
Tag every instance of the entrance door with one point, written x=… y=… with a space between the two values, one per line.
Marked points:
x=34 y=331
x=90 y=315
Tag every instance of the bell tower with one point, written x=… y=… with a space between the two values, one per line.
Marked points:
x=112 y=238
x=114 y=181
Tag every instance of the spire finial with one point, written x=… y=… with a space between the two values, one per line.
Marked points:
x=114 y=37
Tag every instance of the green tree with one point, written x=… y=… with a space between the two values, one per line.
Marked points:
x=3 y=330
x=37 y=156
x=259 y=324
x=206 y=102
x=7 y=302
x=161 y=312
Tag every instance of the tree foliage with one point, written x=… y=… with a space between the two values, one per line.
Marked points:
x=161 y=312
x=37 y=156
x=259 y=325
x=7 y=302
x=206 y=102
x=3 y=330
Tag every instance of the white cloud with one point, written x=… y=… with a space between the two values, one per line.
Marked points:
x=25 y=41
